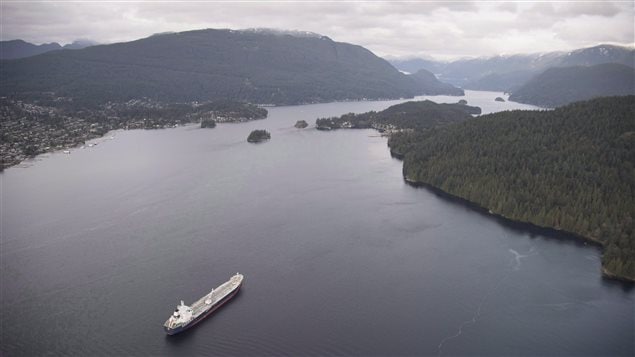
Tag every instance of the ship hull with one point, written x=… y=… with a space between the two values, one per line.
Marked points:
x=202 y=316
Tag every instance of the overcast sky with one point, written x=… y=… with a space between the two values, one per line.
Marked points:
x=440 y=29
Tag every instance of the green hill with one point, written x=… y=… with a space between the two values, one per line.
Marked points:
x=570 y=169
x=415 y=115
x=428 y=84
x=15 y=49
x=562 y=85
x=258 y=66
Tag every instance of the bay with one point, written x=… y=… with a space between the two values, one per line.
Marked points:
x=340 y=255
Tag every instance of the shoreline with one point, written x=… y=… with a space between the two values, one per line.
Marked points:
x=418 y=97
x=101 y=139
x=64 y=148
x=529 y=226
x=624 y=279
x=95 y=140
x=525 y=225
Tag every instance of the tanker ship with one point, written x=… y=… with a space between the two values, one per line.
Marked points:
x=185 y=316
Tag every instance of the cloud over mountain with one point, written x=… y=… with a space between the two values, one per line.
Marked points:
x=444 y=29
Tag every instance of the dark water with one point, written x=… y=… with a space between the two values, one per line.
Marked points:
x=340 y=256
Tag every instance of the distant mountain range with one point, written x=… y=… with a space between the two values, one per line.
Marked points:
x=429 y=84
x=15 y=49
x=507 y=73
x=562 y=85
x=259 y=66
x=79 y=44
x=416 y=64
x=292 y=67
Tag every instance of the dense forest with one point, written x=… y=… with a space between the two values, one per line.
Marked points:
x=409 y=115
x=257 y=66
x=571 y=169
x=563 y=85
x=228 y=110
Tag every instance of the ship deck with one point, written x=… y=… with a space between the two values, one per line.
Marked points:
x=216 y=295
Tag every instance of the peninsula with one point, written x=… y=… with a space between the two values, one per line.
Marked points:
x=569 y=169
x=49 y=123
x=419 y=115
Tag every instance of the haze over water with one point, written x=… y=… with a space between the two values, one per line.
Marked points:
x=340 y=256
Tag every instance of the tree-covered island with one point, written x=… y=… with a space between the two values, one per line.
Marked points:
x=301 y=124
x=258 y=136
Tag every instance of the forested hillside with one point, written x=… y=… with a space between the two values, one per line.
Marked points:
x=19 y=49
x=571 y=169
x=257 y=66
x=15 y=49
x=563 y=85
x=419 y=115
x=428 y=83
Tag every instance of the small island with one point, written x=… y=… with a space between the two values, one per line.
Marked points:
x=257 y=136
x=301 y=124
x=462 y=101
x=499 y=99
x=208 y=123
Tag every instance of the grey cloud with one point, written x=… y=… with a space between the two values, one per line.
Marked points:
x=403 y=8
x=447 y=29
x=604 y=8
x=508 y=7
x=564 y=10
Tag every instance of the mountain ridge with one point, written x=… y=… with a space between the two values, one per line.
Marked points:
x=507 y=72
x=558 y=86
x=432 y=86
x=16 y=49
x=248 y=65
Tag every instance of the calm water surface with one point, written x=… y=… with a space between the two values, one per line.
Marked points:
x=340 y=256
